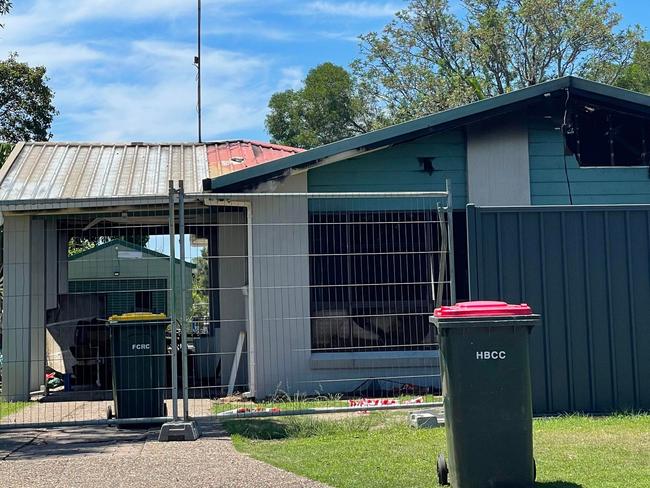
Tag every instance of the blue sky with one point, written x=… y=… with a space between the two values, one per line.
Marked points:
x=122 y=69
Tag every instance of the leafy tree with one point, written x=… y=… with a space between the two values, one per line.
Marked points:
x=636 y=76
x=432 y=57
x=328 y=108
x=200 y=286
x=26 y=108
x=5 y=150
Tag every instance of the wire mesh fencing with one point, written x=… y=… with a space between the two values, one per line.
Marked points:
x=320 y=302
x=219 y=306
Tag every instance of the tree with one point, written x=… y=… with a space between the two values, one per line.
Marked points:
x=5 y=150
x=328 y=108
x=200 y=287
x=430 y=58
x=636 y=76
x=26 y=109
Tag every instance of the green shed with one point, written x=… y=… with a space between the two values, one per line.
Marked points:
x=131 y=277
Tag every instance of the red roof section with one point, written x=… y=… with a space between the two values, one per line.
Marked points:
x=230 y=156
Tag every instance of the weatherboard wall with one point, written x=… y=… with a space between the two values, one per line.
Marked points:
x=398 y=169
x=553 y=174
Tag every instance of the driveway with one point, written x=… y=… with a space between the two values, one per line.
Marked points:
x=109 y=457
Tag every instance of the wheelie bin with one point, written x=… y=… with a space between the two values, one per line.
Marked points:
x=139 y=365
x=487 y=394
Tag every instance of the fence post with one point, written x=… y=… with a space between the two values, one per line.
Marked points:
x=181 y=235
x=172 y=300
x=177 y=430
x=450 y=246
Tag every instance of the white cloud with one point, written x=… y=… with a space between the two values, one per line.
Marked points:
x=159 y=103
x=291 y=78
x=46 y=18
x=250 y=29
x=352 y=9
x=56 y=55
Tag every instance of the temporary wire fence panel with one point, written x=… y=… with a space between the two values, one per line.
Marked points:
x=292 y=302
x=324 y=298
x=586 y=270
x=65 y=358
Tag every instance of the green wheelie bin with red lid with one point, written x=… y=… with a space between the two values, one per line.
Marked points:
x=486 y=386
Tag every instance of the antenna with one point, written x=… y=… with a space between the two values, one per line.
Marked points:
x=197 y=63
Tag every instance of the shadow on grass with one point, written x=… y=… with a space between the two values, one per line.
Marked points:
x=259 y=430
x=300 y=427
x=557 y=484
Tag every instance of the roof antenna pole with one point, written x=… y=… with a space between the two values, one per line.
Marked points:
x=197 y=63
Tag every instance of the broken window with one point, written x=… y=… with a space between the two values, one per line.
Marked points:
x=600 y=137
x=370 y=280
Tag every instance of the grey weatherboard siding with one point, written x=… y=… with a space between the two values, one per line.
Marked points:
x=586 y=270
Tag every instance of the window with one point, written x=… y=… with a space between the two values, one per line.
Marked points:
x=143 y=301
x=600 y=137
x=370 y=277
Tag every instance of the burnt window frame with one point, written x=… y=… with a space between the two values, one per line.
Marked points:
x=596 y=124
x=340 y=252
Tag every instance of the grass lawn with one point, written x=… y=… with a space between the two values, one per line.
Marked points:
x=380 y=450
x=7 y=408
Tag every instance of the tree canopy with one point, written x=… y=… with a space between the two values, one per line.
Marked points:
x=327 y=108
x=26 y=105
x=636 y=76
x=432 y=57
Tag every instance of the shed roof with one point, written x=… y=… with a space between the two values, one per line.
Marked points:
x=447 y=119
x=128 y=245
x=47 y=171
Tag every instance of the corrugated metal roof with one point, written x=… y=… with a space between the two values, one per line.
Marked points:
x=56 y=171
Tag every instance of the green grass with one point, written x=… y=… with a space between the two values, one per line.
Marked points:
x=380 y=450
x=7 y=408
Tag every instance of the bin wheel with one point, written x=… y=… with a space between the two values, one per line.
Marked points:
x=443 y=470
x=109 y=412
x=534 y=470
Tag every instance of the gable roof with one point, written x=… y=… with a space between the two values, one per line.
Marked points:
x=423 y=126
x=49 y=171
x=128 y=245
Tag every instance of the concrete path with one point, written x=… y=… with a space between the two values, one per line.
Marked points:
x=77 y=411
x=108 y=457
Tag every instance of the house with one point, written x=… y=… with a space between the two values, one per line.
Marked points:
x=327 y=259
x=567 y=142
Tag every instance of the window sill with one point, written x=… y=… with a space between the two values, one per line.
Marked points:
x=374 y=359
x=609 y=166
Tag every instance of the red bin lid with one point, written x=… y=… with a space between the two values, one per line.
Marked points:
x=481 y=309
